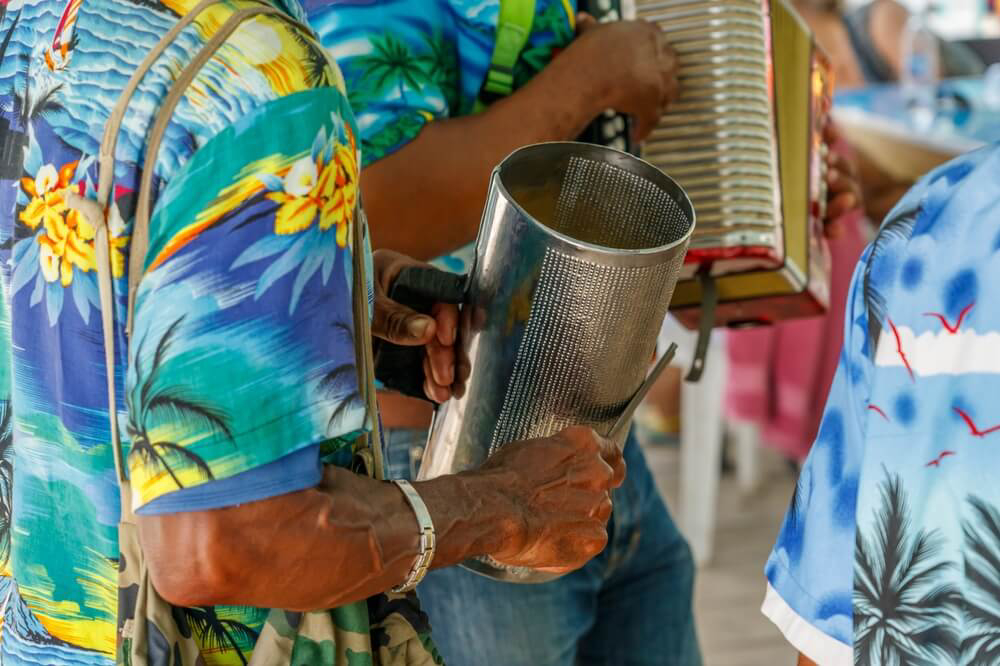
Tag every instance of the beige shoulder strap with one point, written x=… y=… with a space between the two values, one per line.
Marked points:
x=109 y=143
x=364 y=355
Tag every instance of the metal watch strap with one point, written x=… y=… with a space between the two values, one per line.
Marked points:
x=427 y=538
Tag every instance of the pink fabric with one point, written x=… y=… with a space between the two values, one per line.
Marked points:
x=779 y=375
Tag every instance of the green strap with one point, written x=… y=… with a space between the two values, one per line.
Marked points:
x=513 y=29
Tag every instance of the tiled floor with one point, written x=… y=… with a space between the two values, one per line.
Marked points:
x=730 y=590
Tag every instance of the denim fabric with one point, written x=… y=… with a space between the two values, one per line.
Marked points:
x=629 y=606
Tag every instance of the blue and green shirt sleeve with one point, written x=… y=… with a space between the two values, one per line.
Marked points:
x=242 y=358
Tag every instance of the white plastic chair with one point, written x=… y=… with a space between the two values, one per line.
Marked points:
x=702 y=432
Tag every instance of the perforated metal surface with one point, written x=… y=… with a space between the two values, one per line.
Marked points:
x=580 y=359
x=718 y=140
x=579 y=254
x=601 y=204
x=585 y=350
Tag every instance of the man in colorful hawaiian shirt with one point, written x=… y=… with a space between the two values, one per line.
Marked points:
x=890 y=552
x=241 y=400
x=415 y=72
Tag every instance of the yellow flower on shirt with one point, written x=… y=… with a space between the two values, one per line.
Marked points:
x=321 y=188
x=66 y=240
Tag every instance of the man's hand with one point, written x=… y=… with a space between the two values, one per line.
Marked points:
x=561 y=487
x=543 y=503
x=843 y=185
x=401 y=325
x=629 y=64
x=436 y=182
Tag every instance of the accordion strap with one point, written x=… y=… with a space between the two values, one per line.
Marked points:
x=709 y=301
x=513 y=29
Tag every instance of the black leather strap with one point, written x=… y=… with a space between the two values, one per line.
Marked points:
x=401 y=368
x=709 y=301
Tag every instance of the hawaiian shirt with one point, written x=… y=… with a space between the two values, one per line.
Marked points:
x=408 y=63
x=239 y=380
x=890 y=551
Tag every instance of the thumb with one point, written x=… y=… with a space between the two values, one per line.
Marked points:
x=400 y=325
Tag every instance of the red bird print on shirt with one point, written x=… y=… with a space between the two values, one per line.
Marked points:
x=973 y=428
x=878 y=410
x=937 y=461
x=899 y=348
x=958 y=323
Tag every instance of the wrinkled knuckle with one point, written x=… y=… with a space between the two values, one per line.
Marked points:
x=607 y=508
x=600 y=543
x=395 y=324
x=583 y=436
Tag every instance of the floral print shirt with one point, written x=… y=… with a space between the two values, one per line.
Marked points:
x=239 y=380
x=890 y=551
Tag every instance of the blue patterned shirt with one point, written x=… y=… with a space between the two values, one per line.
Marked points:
x=890 y=551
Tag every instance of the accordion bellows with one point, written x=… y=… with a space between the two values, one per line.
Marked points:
x=745 y=141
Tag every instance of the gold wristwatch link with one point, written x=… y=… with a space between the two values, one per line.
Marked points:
x=428 y=538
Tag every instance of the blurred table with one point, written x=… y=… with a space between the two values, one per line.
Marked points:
x=877 y=122
x=987 y=48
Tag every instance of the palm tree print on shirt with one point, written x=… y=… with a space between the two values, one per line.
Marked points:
x=340 y=384
x=981 y=606
x=147 y=400
x=904 y=605
x=392 y=64
x=6 y=480
x=895 y=230
x=441 y=62
x=316 y=64
x=13 y=135
x=215 y=633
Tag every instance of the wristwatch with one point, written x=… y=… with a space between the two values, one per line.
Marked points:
x=427 y=538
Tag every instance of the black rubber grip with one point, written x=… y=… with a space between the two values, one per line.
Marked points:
x=399 y=368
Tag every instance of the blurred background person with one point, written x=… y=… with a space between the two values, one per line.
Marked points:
x=866 y=45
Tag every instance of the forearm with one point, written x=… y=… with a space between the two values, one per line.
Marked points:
x=427 y=198
x=805 y=661
x=346 y=540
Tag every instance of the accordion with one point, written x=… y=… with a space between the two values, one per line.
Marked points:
x=745 y=140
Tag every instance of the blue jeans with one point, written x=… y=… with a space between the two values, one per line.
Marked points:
x=629 y=606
